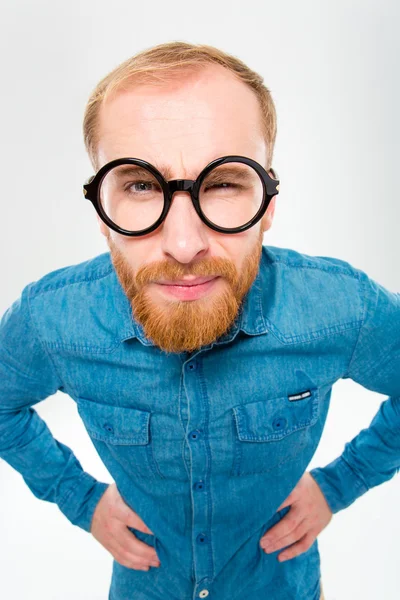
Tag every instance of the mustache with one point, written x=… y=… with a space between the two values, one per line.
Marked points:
x=213 y=267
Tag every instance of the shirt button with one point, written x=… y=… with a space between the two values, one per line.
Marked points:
x=192 y=366
x=279 y=423
x=199 y=485
x=201 y=538
x=108 y=428
x=203 y=593
x=195 y=434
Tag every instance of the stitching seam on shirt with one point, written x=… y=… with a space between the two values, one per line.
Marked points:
x=307 y=336
x=357 y=475
x=64 y=499
x=343 y=270
x=40 y=340
x=361 y=326
x=260 y=304
x=65 y=283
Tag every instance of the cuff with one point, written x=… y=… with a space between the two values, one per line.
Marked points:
x=339 y=484
x=80 y=503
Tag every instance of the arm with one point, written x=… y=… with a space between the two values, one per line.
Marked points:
x=27 y=375
x=373 y=456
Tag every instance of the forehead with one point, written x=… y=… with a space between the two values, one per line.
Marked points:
x=185 y=123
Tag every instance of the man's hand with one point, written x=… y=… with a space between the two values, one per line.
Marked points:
x=309 y=514
x=109 y=526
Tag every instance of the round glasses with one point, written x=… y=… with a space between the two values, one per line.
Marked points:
x=230 y=195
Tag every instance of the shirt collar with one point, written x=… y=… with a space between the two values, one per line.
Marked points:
x=250 y=318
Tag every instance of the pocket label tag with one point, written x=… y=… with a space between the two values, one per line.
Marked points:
x=300 y=396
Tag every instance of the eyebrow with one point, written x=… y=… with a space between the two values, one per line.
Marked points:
x=133 y=170
x=166 y=171
x=241 y=174
x=240 y=170
x=127 y=169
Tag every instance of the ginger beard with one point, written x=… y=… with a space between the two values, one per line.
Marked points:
x=186 y=325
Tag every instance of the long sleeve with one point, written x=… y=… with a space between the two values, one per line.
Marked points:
x=27 y=376
x=373 y=456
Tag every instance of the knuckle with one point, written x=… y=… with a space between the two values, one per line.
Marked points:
x=144 y=551
x=136 y=564
x=290 y=522
x=139 y=562
x=126 y=560
x=130 y=560
x=126 y=554
x=120 y=559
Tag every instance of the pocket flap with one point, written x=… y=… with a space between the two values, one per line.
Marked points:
x=115 y=424
x=274 y=418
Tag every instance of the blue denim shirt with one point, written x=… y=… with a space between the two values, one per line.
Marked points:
x=204 y=446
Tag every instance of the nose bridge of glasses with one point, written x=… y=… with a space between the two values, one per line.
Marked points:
x=180 y=185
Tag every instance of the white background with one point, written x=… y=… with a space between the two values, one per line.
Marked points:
x=333 y=70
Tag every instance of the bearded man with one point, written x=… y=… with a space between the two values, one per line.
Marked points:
x=201 y=361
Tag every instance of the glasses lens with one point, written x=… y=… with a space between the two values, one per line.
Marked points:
x=231 y=194
x=131 y=197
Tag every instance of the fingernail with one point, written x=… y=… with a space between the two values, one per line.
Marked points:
x=155 y=563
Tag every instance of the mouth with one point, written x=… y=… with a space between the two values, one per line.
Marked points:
x=190 y=290
x=187 y=282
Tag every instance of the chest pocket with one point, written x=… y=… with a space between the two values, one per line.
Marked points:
x=270 y=432
x=122 y=434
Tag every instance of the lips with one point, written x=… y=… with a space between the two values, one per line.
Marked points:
x=189 y=292
x=188 y=282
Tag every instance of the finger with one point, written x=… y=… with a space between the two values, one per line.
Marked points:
x=298 y=548
x=126 y=558
x=131 y=543
x=285 y=526
x=290 y=538
x=132 y=561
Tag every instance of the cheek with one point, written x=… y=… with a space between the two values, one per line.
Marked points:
x=239 y=246
x=139 y=252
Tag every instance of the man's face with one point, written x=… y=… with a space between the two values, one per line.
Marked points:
x=185 y=125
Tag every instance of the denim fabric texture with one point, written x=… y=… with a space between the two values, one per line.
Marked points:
x=204 y=446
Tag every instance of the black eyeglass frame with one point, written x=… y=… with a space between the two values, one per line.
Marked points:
x=270 y=188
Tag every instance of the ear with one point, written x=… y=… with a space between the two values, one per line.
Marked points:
x=103 y=227
x=266 y=221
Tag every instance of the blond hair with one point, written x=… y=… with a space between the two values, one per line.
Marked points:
x=162 y=63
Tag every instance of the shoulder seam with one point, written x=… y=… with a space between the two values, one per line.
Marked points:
x=66 y=282
x=331 y=268
x=38 y=338
x=364 y=303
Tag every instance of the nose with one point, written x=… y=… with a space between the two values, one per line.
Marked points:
x=184 y=235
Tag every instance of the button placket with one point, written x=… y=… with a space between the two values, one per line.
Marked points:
x=198 y=443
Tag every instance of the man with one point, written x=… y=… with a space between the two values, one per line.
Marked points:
x=201 y=361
